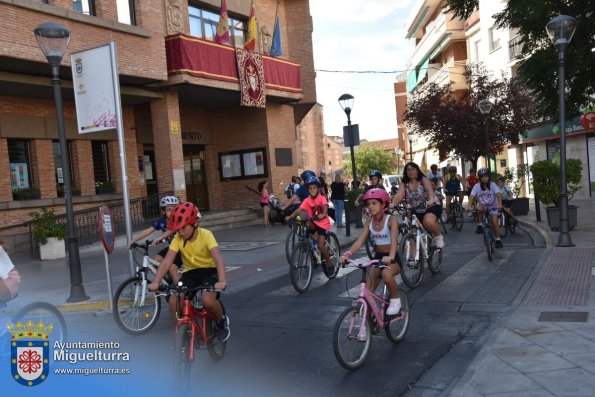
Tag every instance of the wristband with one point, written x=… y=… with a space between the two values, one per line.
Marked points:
x=347 y=254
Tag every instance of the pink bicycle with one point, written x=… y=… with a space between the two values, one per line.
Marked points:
x=367 y=316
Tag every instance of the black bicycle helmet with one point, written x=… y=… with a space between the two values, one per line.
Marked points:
x=452 y=169
x=483 y=171
x=312 y=180
x=375 y=173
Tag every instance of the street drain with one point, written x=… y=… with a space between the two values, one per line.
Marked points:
x=564 y=317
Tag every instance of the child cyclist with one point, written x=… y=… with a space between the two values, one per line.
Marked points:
x=384 y=230
x=453 y=189
x=489 y=200
x=507 y=199
x=316 y=206
x=203 y=263
x=167 y=204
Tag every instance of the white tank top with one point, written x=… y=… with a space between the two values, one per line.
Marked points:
x=382 y=237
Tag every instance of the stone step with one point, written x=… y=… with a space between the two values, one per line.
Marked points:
x=230 y=219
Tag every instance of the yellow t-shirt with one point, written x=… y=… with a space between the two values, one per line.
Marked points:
x=196 y=254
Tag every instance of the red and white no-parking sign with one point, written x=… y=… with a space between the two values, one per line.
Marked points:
x=106 y=230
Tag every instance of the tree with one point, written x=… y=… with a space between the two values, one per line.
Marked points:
x=539 y=63
x=452 y=123
x=367 y=158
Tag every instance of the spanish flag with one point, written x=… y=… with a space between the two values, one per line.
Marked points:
x=251 y=39
x=223 y=25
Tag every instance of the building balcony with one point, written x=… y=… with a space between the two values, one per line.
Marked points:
x=515 y=48
x=438 y=34
x=192 y=61
x=446 y=74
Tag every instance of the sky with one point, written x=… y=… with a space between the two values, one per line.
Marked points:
x=360 y=35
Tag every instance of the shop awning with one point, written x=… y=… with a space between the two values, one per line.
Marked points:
x=549 y=131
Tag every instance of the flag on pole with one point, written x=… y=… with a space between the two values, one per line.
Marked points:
x=250 y=43
x=276 y=42
x=222 y=36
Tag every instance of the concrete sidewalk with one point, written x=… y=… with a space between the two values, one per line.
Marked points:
x=545 y=344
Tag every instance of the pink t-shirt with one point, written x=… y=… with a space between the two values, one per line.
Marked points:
x=314 y=207
x=264 y=198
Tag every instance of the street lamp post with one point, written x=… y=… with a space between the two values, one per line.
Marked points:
x=346 y=102
x=410 y=150
x=398 y=153
x=485 y=106
x=53 y=40
x=560 y=30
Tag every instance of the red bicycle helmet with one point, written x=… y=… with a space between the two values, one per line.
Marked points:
x=184 y=214
x=378 y=194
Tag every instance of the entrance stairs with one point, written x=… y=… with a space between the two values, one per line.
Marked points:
x=230 y=219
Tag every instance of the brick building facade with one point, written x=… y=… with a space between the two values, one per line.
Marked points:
x=182 y=130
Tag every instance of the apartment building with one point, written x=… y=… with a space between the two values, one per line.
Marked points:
x=444 y=46
x=184 y=129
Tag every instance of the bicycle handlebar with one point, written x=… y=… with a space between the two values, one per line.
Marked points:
x=363 y=265
x=182 y=288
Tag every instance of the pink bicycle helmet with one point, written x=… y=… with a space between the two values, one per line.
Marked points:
x=378 y=194
x=184 y=214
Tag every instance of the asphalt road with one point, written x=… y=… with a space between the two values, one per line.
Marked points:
x=281 y=341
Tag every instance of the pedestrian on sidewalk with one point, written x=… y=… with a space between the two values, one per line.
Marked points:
x=338 y=190
x=264 y=201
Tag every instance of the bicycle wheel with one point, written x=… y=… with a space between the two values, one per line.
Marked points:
x=487 y=240
x=442 y=221
x=290 y=241
x=502 y=224
x=434 y=259
x=48 y=314
x=396 y=326
x=182 y=357
x=300 y=269
x=135 y=308
x=334 y=249
x=370 y=247
x=215 y=345
x=460 y=215
x=272 y=214
x=351 y=350
x=511 y=225
x=412 y=269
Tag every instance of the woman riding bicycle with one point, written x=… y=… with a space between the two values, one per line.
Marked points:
x=489 y=201
x=417 y=190
x=384 y=230
x=203 y=263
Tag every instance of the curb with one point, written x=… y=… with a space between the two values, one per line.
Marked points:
x=546 y=237
x=84 y=307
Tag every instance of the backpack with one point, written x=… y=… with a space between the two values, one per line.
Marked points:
x=453 y=185
x=289 y=190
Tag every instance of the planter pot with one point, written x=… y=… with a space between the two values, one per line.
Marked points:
x=520 y=206
x=53 y=249
x=105 y=190
x=553 y=217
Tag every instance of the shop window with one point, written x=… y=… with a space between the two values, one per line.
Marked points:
x=126 y=12
x=249 y=163
x=86 y=7
x=101 y=171
x=59 y=172
x=203 y=23
x=20 y=170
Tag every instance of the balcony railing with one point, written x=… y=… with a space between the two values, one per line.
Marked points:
x=206 y=59
x=515 y=48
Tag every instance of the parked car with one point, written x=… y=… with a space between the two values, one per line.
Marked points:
x=388 y=180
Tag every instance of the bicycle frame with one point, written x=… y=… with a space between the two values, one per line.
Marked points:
x=369 y=299
x=421 y=237
x=190 y=315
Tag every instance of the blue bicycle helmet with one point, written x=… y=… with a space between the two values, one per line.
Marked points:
x=306 y=174
x=312 y=180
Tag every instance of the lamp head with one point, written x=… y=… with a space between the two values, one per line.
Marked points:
x=53 y=40
x=561 y=29
x=485 y=106
x=346 y=102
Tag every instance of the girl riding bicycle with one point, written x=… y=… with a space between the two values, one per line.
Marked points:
x=316 y=206
x=489 y=201
x=384 y=230
x=203 y=263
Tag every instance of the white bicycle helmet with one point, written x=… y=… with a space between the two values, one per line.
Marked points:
x=168 y=201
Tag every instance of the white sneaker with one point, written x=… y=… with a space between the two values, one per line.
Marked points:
x=394 y=307
x=439 y=241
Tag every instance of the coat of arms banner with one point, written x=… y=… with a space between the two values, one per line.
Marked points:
x=251 y=76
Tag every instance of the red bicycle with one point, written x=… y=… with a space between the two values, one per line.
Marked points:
x=195 y=326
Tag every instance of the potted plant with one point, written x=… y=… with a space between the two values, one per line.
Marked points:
x=104 y=187
x=28 y=193
x=546 y=184
x=49 y=234
x=515 y=177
